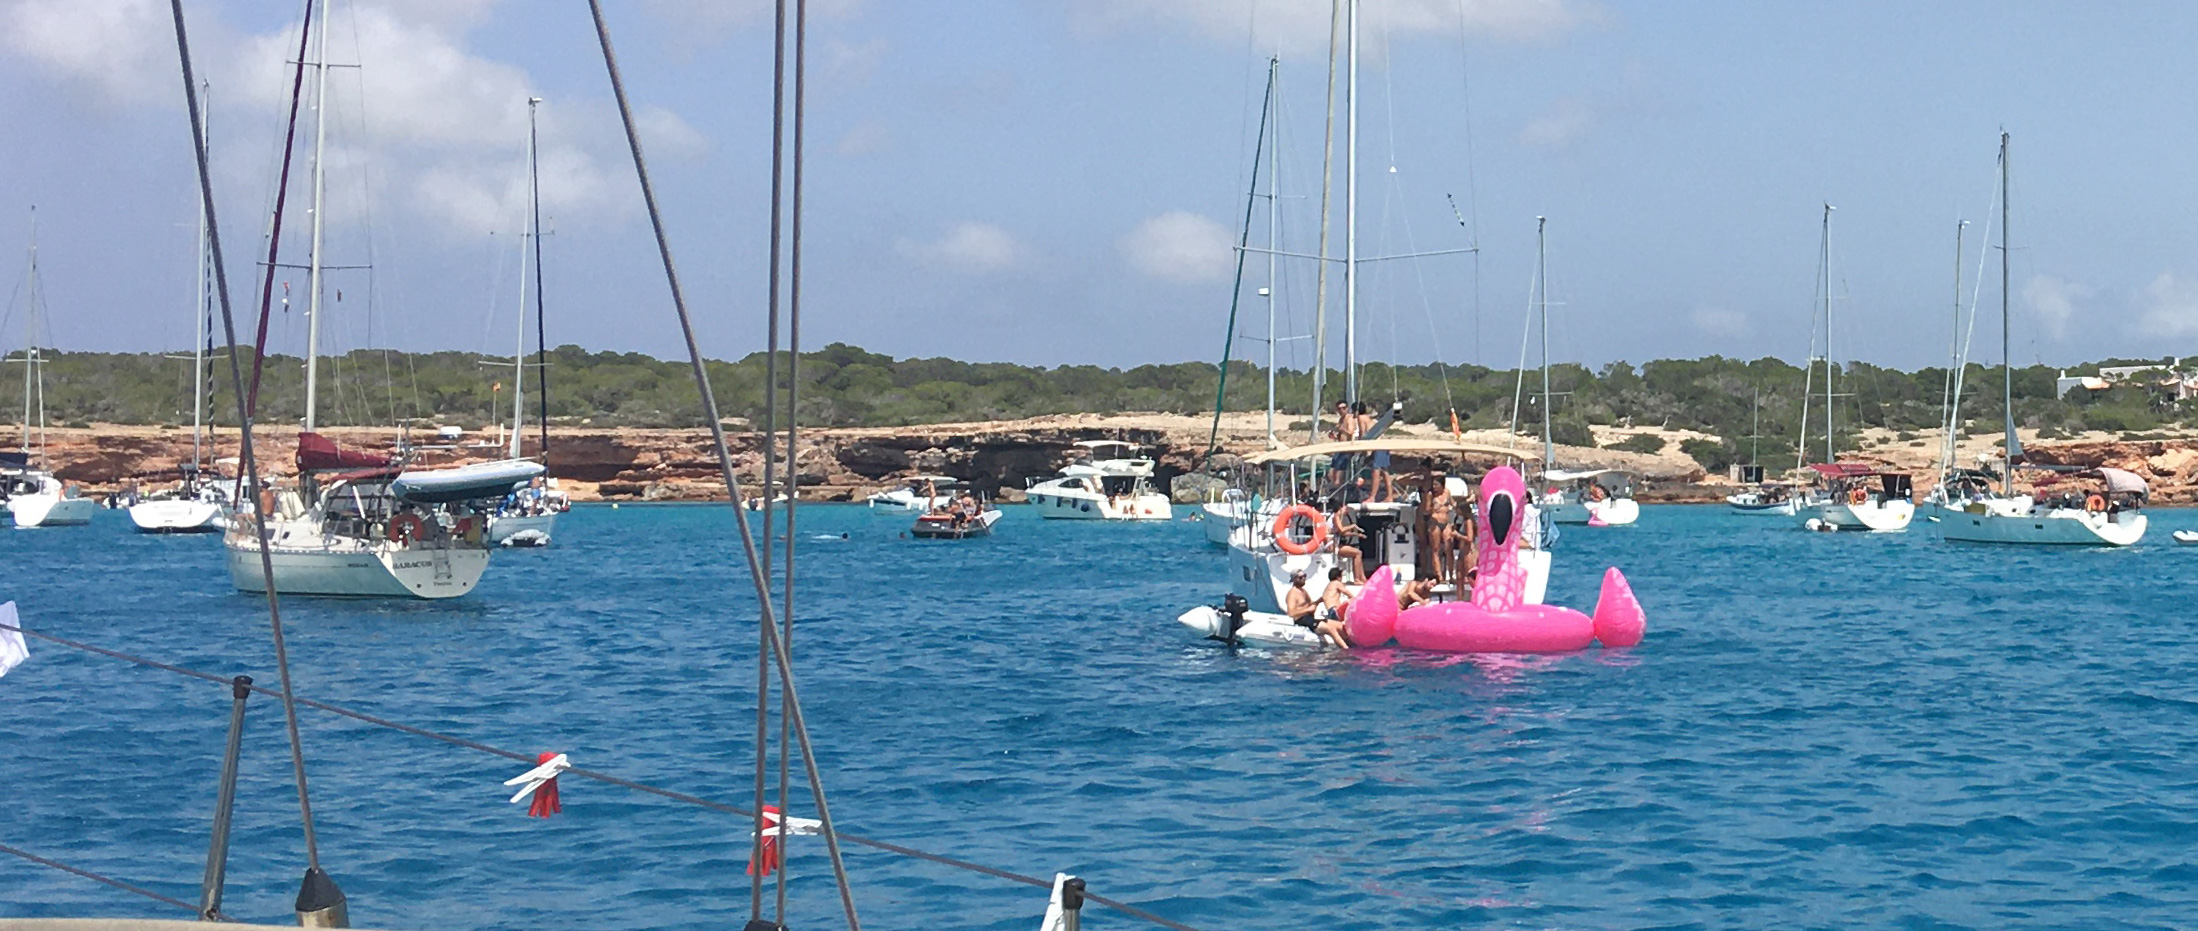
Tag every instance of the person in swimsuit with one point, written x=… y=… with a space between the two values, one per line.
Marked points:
x=1415 y=593
x=1299 y=603
x=1440 y=510
x=1348 y=538
x=1332 y=601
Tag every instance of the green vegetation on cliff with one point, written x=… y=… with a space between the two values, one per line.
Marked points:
x=843 y=385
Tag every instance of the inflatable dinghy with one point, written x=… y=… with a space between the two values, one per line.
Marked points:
x=1233 y=624
x=466 y=482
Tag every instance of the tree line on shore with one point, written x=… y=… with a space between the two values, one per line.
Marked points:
x=1754 y=408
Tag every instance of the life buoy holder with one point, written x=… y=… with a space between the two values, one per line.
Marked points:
x=2096 y=504
x=1857 y=496
x=406 y=527
x=1290 y=515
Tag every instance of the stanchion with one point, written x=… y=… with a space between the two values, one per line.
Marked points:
x=217 y=849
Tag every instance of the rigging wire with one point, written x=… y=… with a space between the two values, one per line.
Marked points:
x=95 y=877
x=227 y=682
x=759 y=577
x=247 y=455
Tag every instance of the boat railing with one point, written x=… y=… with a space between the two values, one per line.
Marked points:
x=240 y=688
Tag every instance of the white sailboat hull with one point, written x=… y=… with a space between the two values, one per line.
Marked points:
x=2018 y=522
x=1871 y=515
x=51 y=510
x=348 y=566
x=521 y=530
x=1262 y=575
x=179 y=516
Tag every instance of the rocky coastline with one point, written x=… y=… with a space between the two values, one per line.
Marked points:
x=1001 y=457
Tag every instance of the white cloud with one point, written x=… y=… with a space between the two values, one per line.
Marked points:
x=1718 y=321
x=2171 y=307
x=2054 y=301
x=868 y=137
x=1180 y=246
x=968 y=246
x=711 y=20
x=851 y=64
x=439 y=127
x=1301 y=26
x=121 y=50
x=1567 y=122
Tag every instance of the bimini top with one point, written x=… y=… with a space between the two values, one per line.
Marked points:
x=1560 y=475
x=1098 y=444
x=1407 y=445
x=2122 y=481
x=914 y=480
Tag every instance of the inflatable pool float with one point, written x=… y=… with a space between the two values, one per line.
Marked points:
x=1497 y=619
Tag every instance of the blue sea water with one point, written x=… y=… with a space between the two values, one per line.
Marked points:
x=1821 y=731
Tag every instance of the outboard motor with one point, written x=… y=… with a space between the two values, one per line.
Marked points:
x=1233 y=609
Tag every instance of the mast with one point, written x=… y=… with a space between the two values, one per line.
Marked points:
x=1825 y=262
x=320 y=184
x=30 y=343
x=1350 y=208
x=519 y=353
x=1541 y=275
x=199 y=309
x=2007 y=368
x=1327 y=185
x=1954 y=363
x=541 y=324
x=1274 y=231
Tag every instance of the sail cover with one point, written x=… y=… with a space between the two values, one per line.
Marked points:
x=317 y=453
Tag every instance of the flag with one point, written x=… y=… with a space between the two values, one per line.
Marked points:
x=13 y=651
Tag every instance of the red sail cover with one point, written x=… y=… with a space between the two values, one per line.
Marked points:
x=317 y=453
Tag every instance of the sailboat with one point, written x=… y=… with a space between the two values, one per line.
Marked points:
x=1595 y=497
x=1236 y=507
x=359 y=523
x=529 y=515
x=1853 y=495
x=1972 y=511
x=1266 y=553
x=201 y=502
x=35 y=498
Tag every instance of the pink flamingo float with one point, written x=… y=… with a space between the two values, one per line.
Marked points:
x=1497 y=619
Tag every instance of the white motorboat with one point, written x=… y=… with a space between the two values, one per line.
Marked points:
x=1092 y=488
x=951 y=525
x=1969 y=510
x=1859 y=497
x=918 y=493
x=1596 y=497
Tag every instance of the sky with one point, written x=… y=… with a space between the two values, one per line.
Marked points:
x=1064 y=181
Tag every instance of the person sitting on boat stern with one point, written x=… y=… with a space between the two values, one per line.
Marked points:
x=1330 y=611
x=1348 y=539
x=1299 y=603
x=1416 y=592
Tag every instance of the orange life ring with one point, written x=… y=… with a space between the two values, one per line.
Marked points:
x=1289 y=515
x=2095 y=504
x=1596 y=493
x=406 y=527
x=1857 y=496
